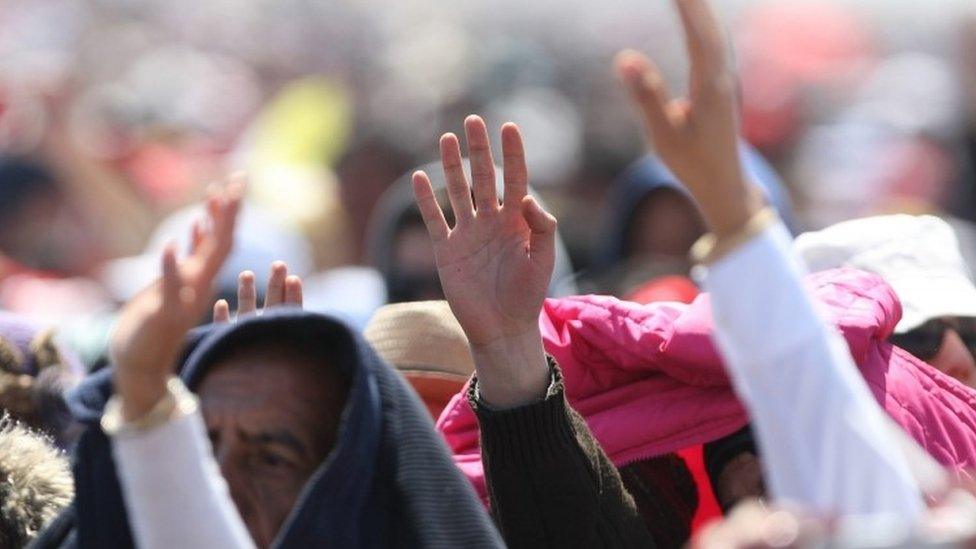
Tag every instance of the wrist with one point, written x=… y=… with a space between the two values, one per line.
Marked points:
x=512 y=371
x=726 y=213
x=139 y=394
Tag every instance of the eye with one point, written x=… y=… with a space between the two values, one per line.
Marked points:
x=272 y=459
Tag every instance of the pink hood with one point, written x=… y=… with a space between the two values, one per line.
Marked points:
x=649 y=381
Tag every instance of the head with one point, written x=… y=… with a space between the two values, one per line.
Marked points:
x=947 y=343
x=35 y=373
x=424 y=341
x=652 y=221
x=37 y=228
x=413 y=273
x=665 y=223
x=272 y=405
x=651 y=224
x=919 y=257
x=734 y=469
x=37 y=483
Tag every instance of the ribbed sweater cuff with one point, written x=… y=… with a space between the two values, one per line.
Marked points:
x=530 y=434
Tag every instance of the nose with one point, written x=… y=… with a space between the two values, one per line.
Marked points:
x=955 y=359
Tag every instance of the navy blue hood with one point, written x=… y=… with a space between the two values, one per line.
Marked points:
x=388 y=482
x=649 y=174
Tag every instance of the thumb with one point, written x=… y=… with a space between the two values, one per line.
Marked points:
x=542 y=241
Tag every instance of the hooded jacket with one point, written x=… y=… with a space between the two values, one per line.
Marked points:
x=649 y=381
x=388 y=482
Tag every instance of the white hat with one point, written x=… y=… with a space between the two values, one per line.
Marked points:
x=260 y=238
x=352 y=293
x=917 y=255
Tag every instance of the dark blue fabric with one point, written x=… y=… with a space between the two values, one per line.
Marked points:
x=650 y=174
x=388 y=482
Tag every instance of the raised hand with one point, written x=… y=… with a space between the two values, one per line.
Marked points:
x=151 y=327
x=283 y=290
x=697 y=136
x=496 y=263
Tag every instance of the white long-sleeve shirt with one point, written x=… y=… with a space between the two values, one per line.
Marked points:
x=824 y=440
x=174 y=493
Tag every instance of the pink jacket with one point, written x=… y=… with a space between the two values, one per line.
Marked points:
x=649 y=381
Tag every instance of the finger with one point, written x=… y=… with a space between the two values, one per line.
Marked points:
x=482 y=165
x=221 y=312
x=648 y=90
x=247 y=294
x=224 y=224
x=172 y=283
x=276 y=285
x=213 y=202
x=196 y=235
x=703 y=39
x=293 y=290
x=458 y=191
x=542 y=241
x=516 y=172
x=437 y=226
x=223 y=208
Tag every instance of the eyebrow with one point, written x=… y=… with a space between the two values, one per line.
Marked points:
x=281 y=437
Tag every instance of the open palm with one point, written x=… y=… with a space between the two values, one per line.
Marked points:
x=496 y=263
x=151 y=327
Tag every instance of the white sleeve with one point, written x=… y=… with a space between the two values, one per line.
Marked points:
x=173 y=490
x=824 y=440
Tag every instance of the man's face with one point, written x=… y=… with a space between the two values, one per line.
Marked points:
x=272 y=418
x=741 y=479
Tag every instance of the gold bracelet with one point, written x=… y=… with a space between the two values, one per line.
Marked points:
x=709 y=248
x=177 y=400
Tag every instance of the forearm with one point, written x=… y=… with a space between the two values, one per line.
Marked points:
x=823 y=438
x=173 y=490
x=549 y=482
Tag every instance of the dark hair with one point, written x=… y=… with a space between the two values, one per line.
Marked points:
x=20 y=180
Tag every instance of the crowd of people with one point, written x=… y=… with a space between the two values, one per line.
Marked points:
x=282 y=359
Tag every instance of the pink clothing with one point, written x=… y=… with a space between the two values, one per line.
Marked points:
x=649 y=381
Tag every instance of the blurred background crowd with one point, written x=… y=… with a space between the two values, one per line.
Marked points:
x=115 y=115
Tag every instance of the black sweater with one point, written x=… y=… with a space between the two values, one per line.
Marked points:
x=549 y=482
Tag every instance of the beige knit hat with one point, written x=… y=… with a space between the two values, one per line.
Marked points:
x=421 y=336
